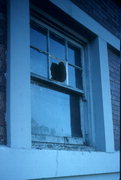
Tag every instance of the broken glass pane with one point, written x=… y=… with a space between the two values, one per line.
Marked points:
x=58 y=70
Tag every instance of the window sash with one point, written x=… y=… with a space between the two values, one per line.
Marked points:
x=67 y=43
x=58 y=85
x=39 y=79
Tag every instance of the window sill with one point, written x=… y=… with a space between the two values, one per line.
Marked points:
x=66 y=147
x=60 y=143
x=58 y=139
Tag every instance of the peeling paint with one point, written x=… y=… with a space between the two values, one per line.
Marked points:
x=57 y=146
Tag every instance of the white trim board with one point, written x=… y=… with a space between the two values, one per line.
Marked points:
x=87 y=21
x=18 y=75
x=26 y=164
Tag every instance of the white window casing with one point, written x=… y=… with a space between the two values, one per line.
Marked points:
x=18 y=86
x=18 y=75
x=101 y=96
x=23 y=162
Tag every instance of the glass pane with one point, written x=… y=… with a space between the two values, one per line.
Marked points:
x=57 y=46
x=78 y=78
x=75 y=116
x=74 y=56
x=71 y=74
x=50 y=112
x=38 y=39
x=58 y=70
x=75 y=77
x=38 y=63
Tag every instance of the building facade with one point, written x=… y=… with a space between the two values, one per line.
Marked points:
x=59 y=89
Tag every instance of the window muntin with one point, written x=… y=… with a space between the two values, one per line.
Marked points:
x=59 y=49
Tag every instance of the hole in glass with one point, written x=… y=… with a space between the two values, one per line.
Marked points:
x=58 y=71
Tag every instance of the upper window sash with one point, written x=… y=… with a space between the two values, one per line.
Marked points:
x=71 y=44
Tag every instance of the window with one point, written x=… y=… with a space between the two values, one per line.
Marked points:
x=56 y=85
